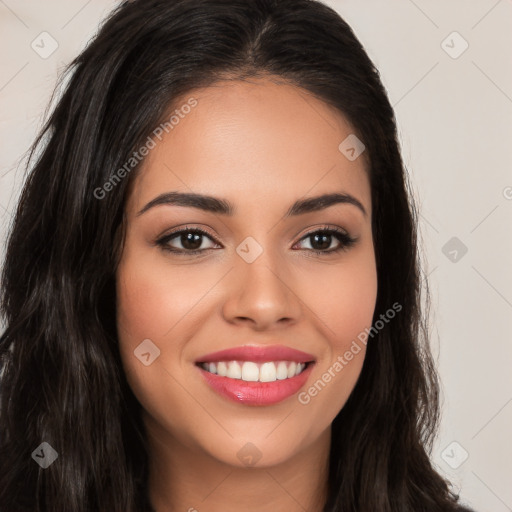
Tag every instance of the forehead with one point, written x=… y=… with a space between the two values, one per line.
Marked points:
x=248 y=140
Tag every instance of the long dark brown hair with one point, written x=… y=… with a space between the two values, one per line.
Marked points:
x=61 y=376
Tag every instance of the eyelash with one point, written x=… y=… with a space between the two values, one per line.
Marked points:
x=346 y=241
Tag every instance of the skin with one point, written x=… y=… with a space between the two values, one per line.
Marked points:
x=260 y=145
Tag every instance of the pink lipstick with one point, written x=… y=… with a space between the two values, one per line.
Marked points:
x=256 y=375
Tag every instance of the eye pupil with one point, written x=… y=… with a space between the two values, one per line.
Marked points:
x=324 y=237
x=191 y=241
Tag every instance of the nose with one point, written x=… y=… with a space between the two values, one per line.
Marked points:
x=261 y=294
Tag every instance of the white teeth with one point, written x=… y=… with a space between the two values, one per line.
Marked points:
x=222 y=368
x=250 y=371
x=268 y=372
x=291 y=369
x=282 y=371
x=234 y=370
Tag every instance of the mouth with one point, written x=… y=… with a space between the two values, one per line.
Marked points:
x=256 y=375
x=252 y=371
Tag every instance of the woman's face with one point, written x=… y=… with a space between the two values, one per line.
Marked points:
x=261 y=147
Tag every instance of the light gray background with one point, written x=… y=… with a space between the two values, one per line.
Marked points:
x=455 y=122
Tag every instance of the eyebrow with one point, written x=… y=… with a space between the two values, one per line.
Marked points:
x=224 y=207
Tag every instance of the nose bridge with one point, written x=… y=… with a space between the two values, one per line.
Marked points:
x=261 y=266
x=261 y=288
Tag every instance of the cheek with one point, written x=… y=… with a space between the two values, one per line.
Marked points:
x=351 y=305
x=150 y=303
x=343 y=298
x=154 y=299
x=344 y=310
x=157 y=304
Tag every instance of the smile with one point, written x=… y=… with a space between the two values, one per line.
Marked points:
x=256 y=374
x=250 y=371
x=256 y=392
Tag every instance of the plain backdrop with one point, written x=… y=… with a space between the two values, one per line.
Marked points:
x=447 y=68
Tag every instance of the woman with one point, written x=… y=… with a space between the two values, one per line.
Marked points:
x=281 y=366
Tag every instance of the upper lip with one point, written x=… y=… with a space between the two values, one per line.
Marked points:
x=258 y=353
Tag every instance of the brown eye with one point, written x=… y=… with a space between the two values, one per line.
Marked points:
x=321 y=240
x=190 y=239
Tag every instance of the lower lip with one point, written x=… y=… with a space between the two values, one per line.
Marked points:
x=256 y=393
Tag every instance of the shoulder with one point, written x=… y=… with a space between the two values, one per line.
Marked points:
x=462 y=508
